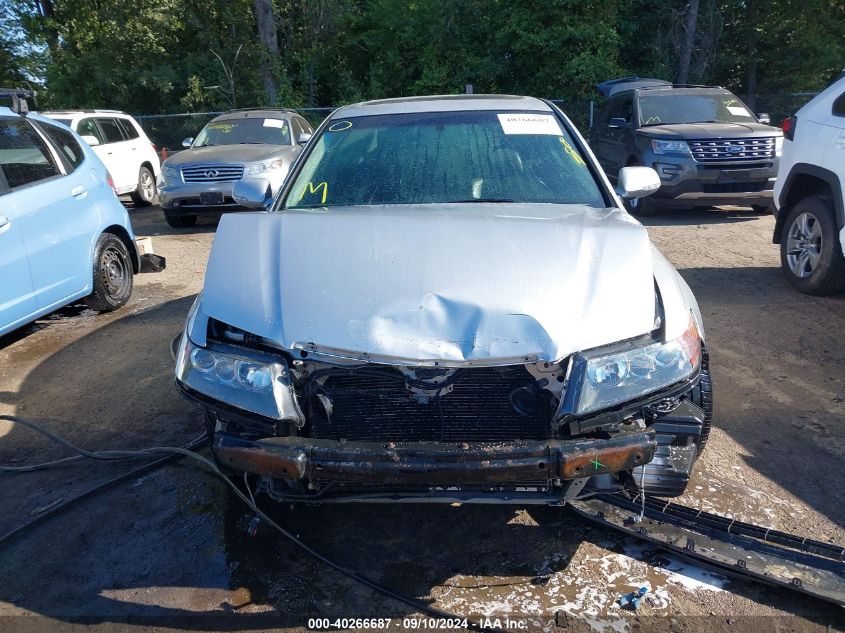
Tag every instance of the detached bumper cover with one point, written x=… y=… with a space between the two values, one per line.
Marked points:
x=434 y=463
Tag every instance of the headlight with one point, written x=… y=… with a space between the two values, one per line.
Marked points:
x=605 y=379
x=669 y=147
x=270 y=165
x=778 y=145
x=170 y=173
x=258 y=383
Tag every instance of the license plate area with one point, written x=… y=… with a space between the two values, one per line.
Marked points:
x=735 y=175
x=211 y=198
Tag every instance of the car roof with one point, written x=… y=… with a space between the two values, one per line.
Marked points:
x=443 y=103
x=255 y=113
x=34 y=116
x=64 y=113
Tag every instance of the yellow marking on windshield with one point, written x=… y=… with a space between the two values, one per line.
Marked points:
x=571 y=151
x=340 y=126
x=312 y=190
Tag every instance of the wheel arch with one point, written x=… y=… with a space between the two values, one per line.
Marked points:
x=808 y=180
x=123 y=235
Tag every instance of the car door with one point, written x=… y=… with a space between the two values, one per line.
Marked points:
x=612 y=149
x=59 y=220
x=834 y=157
x=17 y=296
x=118 y=152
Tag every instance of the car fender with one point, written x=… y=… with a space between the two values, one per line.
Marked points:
x=806 y=169
x=676 y=297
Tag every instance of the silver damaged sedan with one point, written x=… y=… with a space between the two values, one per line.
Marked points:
x=447 y=302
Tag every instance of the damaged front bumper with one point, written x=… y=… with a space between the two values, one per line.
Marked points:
x=427 y=464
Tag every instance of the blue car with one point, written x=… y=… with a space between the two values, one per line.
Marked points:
x=64 y=235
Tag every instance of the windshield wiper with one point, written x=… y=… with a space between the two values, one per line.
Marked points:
x=479 y=200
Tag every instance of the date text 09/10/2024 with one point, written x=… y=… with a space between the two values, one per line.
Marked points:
x=414 y=624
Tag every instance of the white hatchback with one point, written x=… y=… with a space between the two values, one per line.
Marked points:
x=120 y=142
x=810 y=219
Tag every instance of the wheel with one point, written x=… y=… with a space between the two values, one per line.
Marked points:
x=179 y=221
x=145 y=194
x=112 y=272
x=640 y=207
x=810 y=254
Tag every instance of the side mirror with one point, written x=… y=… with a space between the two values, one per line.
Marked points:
x=253 y=193
x=617 y=122
x=188 y=142
x=303 y=138
x=763 y=117
x=90 y=139
x=637 y=182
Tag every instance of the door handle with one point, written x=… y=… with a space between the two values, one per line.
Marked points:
x=78 y=191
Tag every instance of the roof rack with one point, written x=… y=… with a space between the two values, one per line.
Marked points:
x=96 y=111
x=17 y=98
x=256 y=109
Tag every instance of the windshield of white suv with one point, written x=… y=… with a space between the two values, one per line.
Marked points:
x=244 y=131
x=701 y=107
x=444 y=157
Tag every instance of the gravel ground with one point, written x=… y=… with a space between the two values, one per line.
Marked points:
x=169 y=551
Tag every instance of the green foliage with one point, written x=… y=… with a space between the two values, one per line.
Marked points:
x=151 y=56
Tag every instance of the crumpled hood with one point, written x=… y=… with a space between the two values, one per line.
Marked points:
x=241 y=153
x=467 y=282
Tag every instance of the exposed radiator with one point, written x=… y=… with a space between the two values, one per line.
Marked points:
x=376 y=405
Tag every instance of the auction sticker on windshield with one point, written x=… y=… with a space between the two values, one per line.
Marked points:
x=529 y=124
x=279 y=123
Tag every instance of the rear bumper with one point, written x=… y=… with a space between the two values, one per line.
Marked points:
x=426 y=464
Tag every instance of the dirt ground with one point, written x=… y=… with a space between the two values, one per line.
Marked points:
x=168 y=551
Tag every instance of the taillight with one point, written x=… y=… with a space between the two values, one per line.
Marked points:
x=788 y=127
x=110 y=180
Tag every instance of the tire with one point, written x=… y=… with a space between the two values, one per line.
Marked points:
x=702 y=396
x=179 y=221
x=640 y=207
x=112 y=274
x=145 y=194
x=810 y=254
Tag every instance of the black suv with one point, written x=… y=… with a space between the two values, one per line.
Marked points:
x=705 y=144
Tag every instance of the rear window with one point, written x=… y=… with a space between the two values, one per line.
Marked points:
x=66 y=143
x=24 y=156
x=129 y=130
x=444 y=157
x=111 y=129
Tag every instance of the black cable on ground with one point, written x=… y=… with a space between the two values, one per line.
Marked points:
x=172 y=453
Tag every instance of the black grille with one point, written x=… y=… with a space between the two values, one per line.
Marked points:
x=374 y=404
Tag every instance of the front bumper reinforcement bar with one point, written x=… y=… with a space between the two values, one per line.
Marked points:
x=736 y=548
x=434 y=463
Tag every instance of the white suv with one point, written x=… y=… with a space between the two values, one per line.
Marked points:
x=122 y=145
x=810 y=219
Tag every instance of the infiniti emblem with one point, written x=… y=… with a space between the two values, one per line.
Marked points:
x=211 y=173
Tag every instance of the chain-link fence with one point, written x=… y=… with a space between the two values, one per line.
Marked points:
x=169 y=130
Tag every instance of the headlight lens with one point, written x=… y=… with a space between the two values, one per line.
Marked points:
x=270 y=165
x=669 y=147
x=170 y=173
x=610 y=379
x=260 y=385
